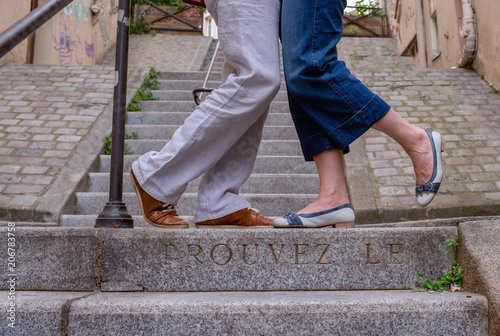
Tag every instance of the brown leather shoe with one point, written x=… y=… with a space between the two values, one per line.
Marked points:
x=241 y=219
x=157 y=213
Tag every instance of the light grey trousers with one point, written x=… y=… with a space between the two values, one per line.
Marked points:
x=220 y=140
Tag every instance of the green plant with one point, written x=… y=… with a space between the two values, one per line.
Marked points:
x=351 y=29
x=493 y=90
x=140 y=26
x=451 y=242
x=174 y=3
x=453 y=276
x=108 y=141
x=371 y=8
x=145 y=92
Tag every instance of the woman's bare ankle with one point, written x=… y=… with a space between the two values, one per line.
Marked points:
x=322 y=205
x=421 y=156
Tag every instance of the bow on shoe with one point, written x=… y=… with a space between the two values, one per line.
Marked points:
x=293 y=218
x=427 y=188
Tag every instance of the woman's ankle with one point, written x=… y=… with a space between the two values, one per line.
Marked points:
x=323 y=204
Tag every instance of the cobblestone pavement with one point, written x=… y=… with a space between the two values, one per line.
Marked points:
x=53 y=120
x=45 y=113
x=455 y=102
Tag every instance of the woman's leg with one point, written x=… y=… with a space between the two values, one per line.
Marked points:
x=330 y=164
x=332 y=189
x=414 y=141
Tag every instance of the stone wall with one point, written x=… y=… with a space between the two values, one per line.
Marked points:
x=436 y=26
x=83 y=33
x=13 y=11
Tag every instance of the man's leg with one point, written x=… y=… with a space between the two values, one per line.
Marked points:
x=218 y=191
x=248 y=32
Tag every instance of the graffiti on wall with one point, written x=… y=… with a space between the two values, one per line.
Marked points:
x=66 y=36
x=66 y=42
x=90 y=48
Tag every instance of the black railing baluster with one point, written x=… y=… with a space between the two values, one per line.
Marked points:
x=115 y=213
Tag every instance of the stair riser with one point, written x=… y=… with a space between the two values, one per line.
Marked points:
x=277 y=313
x=263 y=165
x=189 y=106
x=227 y=259
x=273 y=259
x=178 y=118
x=52 y=259
x=193 y=75
x=278 y=184
x=187 y=95
x=154 y=132
x=267 y=147
x=194 y=84
x=269 y=205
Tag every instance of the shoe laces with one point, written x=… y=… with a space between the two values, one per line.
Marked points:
x=169 y=208
x=257 y=211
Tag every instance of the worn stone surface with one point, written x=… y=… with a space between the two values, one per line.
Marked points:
x=167 y=52
x=267 y=259
x=280 y=313
x=479 y=256
x=49 y=258
x=36 y=313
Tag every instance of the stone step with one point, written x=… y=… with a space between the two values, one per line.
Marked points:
x=273 y=259
x=188 y=95
x=163 y=132
x=190 y=106
x=193 y=75
x=91 y=203
x=153 y=259
x=88 y=221
x=178 y=118
x=267 y=147
x=263 y=164
x=187 y=75
x=257 y=183
x=139 y=222
x=340 y=313
x=194 y=84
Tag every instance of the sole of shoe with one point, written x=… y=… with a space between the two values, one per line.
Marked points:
x=233 y=227
x=347 y=225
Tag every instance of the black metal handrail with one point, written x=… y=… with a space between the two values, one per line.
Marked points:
x=115 y=213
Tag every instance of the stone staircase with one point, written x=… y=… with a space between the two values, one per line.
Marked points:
x=77 y=280
x=281 y=180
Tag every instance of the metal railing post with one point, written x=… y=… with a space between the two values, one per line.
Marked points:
x=115 y=213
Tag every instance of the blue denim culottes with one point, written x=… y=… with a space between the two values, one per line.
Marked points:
x=329 y=106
